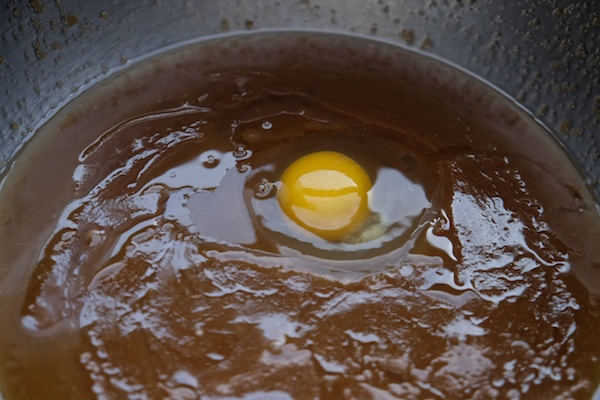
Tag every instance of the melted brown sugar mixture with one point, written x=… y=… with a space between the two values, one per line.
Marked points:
x=145 y=255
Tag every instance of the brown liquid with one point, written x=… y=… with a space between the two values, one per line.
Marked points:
x=145 y=256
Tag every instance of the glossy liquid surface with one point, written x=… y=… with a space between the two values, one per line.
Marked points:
x=145 y=255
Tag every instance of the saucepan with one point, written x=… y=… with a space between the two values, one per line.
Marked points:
x=544 y=54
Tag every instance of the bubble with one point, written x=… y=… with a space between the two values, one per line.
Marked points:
x=267 y=125
x=243 y=168
x=211 y=162
x=275 y=346
x=264 y=190
x=241 y=152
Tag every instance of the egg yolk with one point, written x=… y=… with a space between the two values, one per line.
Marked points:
x=326 y=193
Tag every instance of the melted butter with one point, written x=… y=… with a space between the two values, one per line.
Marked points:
x=160 y=264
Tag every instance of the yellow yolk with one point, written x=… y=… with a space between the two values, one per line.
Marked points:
x=326 y=193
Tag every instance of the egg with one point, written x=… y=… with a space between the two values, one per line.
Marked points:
x=325 y=192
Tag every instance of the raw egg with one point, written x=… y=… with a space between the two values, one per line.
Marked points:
x=326 y=192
